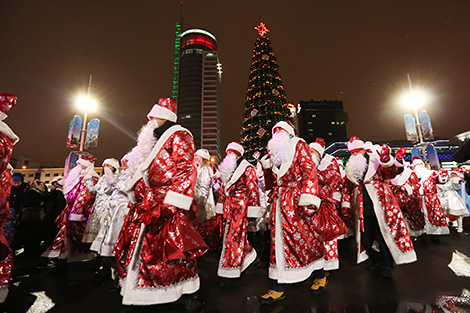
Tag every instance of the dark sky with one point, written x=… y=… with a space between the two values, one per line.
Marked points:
x=355 y=51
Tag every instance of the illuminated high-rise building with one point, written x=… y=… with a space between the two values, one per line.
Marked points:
x=199 y=81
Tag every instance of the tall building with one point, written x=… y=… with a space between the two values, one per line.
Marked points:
x=325 y=119
x=199 y=81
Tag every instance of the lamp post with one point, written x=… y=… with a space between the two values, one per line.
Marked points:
x=85 y=103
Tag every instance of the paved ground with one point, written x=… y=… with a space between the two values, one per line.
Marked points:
x=351 y=288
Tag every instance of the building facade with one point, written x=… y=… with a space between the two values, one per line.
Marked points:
x=199 y=89
x=325 y=119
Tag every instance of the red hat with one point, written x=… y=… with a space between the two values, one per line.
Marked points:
x=318 y=145
x=235 y=147
x=7 y=101
x=286 y=125
x=355 y=144
x=86 y=160
x=416 y=160
x=165 y=109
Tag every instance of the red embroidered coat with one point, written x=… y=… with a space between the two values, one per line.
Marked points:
x=406 y=188
x=241 y=201
x=436 y=222
x=330 y=184
x=6 y=181
x=385 y=206
x=296 y=245
x=72 y=222
x=158 y=243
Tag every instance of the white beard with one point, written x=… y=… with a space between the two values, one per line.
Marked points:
x=316 y=159
x=145 y=143
x=420 y=170
x=280 y=148
x=227 y=167
x=356 y=167
x=109 y=175
x=72 y=177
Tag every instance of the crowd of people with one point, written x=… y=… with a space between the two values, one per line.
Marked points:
x=151 y=215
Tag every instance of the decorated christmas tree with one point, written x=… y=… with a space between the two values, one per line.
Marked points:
x=266 y=102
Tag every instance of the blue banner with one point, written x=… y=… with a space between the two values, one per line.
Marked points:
x=426 y=125
x=410 y=128
x=92 y=134
x=433 y=158
x=73 y=136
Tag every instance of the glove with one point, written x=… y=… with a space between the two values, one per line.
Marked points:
x=400 y=154
x=384 y=153
x=266 y=162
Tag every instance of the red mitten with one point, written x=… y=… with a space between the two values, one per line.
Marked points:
x=400 y=154
x=384 y=153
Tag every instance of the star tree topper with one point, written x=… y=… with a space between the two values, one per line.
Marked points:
x=262 y=30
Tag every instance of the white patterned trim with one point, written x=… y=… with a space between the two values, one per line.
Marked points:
x=178 y=200
x=254 y=212
x=219 y=208
x=308 y=199
x=77 y=217
x=331 y=265
x=337 y=196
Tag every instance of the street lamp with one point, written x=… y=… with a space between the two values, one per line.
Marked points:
x=86 y=104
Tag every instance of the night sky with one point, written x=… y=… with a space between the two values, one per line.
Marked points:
x=355 y=51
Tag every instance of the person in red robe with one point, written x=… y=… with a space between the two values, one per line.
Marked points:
x=73 y=219
x=296 y=244
x=369 y=205
x=241 y=201
x=157 y=248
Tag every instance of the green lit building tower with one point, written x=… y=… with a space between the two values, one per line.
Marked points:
x=198 y=89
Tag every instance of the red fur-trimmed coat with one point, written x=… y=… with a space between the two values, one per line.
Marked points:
x=296 y=245
x=385 y=207
x=158 y=244
x=240 y=201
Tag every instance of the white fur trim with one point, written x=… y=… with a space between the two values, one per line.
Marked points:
x=355 y=145
x=219 y=208
x=5 y=129
x=160 y=112
x=254 y=211
x=178 y=200
x=345 y=204
x=284 y=125
x=84 y=162
x=317 y=147
x=77 y=217
x=308 y=199
x=279 y=172
x=389 y=162
x=112 y=162
x=235 y=146
x=244 y=164
x=408 y=189
x=203 y=153
x=337 y=196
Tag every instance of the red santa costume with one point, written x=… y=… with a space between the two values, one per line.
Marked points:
x=296 y=245
x=436 y=221
x=405 y=187
x=330 y=183
x=368 y=197
x=241 y=201
x=158 y=245
x=7 y=139
x=73 y=219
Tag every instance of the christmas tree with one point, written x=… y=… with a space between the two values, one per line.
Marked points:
x=266 y=102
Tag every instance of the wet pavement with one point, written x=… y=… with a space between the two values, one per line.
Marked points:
x=414 y=287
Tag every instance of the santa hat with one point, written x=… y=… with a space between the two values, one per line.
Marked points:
x=60 y=180
x=165 y=109
x=112 y=162
x=86 y=160
x=455 y=170
x=286 y=125
x=203 y=153
x=318 y=145
x=355 y=144
x=416 y=160
x=235 y=147
x=7 y=101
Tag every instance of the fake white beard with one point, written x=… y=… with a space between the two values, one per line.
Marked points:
x=356 y=167
x=109 y=175
x=227 y=167
x=280 y=148
x=72 y=177
x=316 y=159
x=420 y=170
x=145 y=143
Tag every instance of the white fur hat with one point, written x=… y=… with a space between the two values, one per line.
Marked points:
x=235 y=146
x=203 y=153
x=318 y=145
x=112 y=162
x=416 y=160
x=355 y=144
x=165 y=109
x=86 y=160
x=286 y=126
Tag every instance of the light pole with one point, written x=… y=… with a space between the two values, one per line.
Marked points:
x=85 y=103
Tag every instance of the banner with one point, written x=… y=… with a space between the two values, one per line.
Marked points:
x=410 y=128
x=73 y=136
x=426 y=125
x=92 y=134
x=432 y=156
